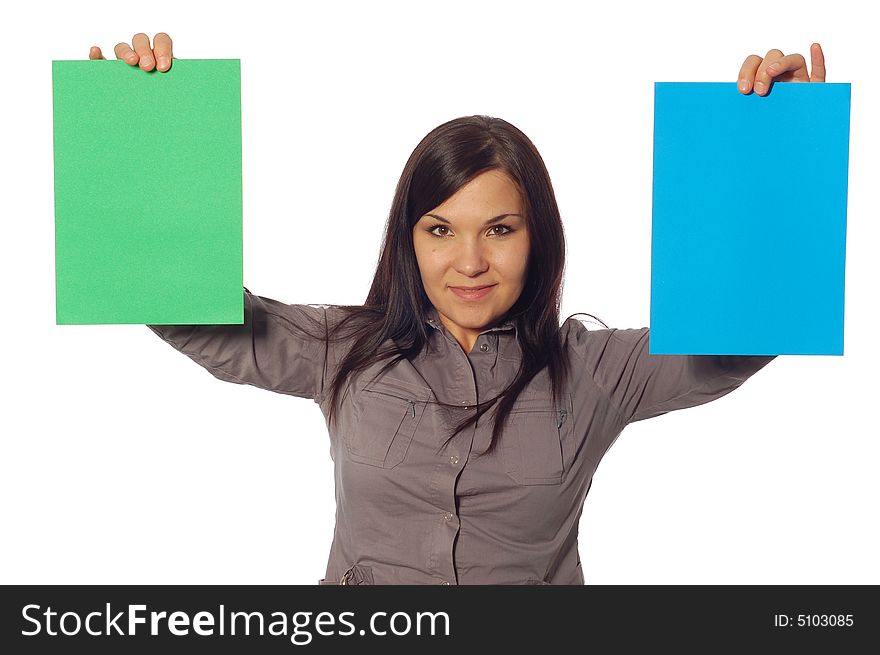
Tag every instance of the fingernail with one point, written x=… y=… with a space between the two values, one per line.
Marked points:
x=743 y=85
x=759 y=87
x=146 y=61
x=163 y=62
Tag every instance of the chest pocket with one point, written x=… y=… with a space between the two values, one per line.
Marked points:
x=538 y=445
x=388 y=413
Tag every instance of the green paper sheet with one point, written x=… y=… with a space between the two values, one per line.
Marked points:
x=148 y=193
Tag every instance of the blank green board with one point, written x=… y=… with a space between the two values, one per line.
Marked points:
x=148 y=193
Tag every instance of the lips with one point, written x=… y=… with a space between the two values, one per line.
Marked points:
x=473 y=293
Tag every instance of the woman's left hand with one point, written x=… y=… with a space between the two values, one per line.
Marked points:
x=776 y=67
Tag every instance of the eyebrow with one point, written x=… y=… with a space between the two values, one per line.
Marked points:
x=500 y=217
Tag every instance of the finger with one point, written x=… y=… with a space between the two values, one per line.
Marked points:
x=794 y=67
x=95 y=53
x=817 y=61
x=141 y=44
x=162 y=49
x=762 y=78
x=126 y=54
x=747 y=73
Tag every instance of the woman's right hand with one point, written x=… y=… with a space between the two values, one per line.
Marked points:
x=159 y=56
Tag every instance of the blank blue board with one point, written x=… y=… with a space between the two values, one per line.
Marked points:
x=748 y=241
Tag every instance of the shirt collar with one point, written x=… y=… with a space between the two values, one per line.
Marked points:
x=433 y=319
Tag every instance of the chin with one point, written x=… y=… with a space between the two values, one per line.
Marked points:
x=473 y=319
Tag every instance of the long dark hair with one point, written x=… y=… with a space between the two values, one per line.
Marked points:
x=391 y=324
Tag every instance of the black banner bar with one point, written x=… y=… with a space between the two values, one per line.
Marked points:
x=276 y=619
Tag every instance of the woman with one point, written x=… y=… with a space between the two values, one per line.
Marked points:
x=465 y=423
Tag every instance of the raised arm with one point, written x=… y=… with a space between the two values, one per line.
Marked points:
x=271 y=350
x=279 y=347
x=642 y=386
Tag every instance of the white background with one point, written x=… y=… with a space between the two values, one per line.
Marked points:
x=125 y=462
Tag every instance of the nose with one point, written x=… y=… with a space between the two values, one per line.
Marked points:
x=470 y=258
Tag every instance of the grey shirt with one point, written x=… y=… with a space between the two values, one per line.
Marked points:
x=408 y=513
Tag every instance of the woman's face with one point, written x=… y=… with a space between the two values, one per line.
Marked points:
x=477 y=238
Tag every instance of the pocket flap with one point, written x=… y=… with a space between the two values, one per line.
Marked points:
x=399 y=388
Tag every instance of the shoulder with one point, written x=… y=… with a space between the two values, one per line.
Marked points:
x=592 y=345
x=584 y=340
x=312 y=321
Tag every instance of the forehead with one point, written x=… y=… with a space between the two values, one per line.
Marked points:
x=489 y=194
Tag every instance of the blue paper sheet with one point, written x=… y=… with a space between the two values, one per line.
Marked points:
x=749 y=219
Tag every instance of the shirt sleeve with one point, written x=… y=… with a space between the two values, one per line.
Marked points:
x=642 y=386
x=271 y=350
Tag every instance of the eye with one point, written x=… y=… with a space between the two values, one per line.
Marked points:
x=506 y=229
x=439 y=227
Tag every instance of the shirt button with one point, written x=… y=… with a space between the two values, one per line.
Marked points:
x=453 y=459
x=484 y=347
x=448 y=516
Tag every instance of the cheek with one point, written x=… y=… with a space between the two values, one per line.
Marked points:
x=428 y=257
x=512 y=265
